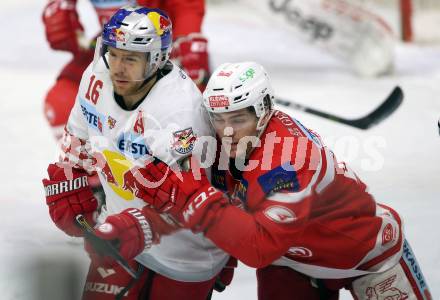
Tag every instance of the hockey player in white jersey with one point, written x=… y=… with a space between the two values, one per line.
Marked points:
x=133 y=104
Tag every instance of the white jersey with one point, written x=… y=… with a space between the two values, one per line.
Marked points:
x=165 y=125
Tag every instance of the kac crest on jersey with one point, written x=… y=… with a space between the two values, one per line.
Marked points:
x=184 y=141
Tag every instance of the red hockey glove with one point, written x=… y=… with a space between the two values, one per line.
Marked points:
x=190 y=201
x=62 y=25
x=191 y=53
x=67 y=198
x=132 y=231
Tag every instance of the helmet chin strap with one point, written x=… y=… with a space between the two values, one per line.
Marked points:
x=263 y=121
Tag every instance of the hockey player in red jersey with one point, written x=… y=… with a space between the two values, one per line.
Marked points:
x=64 y=32
x=281 y=202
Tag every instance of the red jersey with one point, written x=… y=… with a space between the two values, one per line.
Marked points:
x=296 y=205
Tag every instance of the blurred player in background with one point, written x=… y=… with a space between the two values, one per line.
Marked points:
x=133 y=103
x=281 y=202
x=64 y=32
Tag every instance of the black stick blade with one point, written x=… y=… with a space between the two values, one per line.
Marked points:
x=390 y=104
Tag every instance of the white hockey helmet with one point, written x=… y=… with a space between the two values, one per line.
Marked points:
x=140 y=29
x=234 y=86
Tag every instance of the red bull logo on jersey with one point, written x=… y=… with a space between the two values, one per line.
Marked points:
x=108 y=174
x=184 y=141
x=113 y=165
x=103 y=167
x=218 y=101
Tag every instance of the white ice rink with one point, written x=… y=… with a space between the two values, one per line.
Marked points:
x=399 y=159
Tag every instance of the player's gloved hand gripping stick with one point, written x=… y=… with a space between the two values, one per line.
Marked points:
x=103 y=247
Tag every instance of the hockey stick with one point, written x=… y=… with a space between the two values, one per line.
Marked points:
x=103 y=247
x=390 y=104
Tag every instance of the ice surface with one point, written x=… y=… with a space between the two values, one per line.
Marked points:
x=399 y=158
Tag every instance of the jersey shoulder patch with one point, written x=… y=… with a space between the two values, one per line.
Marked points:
x=281 y=179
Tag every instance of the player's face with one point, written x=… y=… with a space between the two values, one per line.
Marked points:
x=243 y=124
x=127 y=70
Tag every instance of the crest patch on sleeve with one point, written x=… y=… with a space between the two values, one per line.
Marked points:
x=184 y=141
